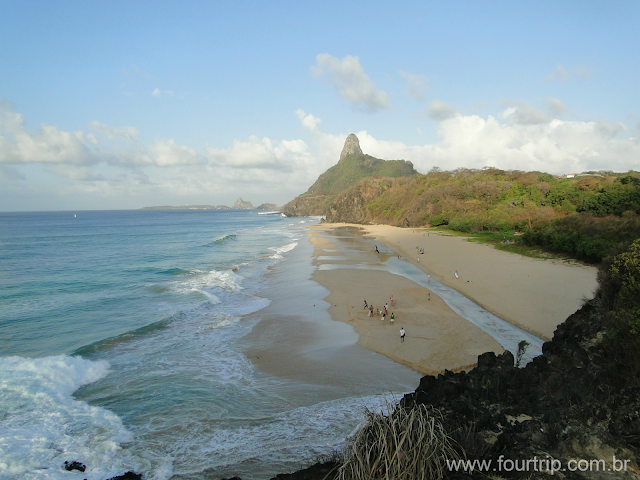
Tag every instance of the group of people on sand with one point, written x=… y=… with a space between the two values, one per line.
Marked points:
x=384 y=312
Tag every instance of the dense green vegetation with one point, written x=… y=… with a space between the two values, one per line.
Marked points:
x=584 y=217
x=355 y=167
x=352 y=168
x=619 y=297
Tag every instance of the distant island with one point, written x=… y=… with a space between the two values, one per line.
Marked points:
x=239 y=204
x=187 y=207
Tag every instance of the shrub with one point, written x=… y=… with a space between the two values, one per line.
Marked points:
x=407 y=444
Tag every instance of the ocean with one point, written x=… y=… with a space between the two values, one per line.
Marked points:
x=123 y=340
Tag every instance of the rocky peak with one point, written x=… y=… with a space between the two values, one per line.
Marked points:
x=242 y=204
x=351 y=146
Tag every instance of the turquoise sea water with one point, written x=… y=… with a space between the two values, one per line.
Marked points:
x=119 y=347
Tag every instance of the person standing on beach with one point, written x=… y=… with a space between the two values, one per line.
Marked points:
x=383 y=317
x=392 y=319
x=429 y=296
x=377 y=249
x=371 y=310
x=456 y=274
x=365 y=304
x=402 y=335
x=386 y=308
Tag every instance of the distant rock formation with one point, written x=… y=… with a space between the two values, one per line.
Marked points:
x=351 y=146
x=242 y=204
x=268 y=206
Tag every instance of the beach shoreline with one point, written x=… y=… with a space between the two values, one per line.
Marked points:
x=533 y=294
x=437 y=338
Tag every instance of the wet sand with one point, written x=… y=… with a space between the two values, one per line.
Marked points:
x=296 y=339
x=533 y=294
x=436 y=337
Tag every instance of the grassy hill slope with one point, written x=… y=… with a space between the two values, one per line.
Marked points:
x=341 y=176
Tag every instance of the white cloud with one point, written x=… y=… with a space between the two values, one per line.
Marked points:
x=558 y=75
x=348 y=77
x=115 y=134
x=328 y=146
x=111 y=145
x=524 y=114
x=583 y=72
x=111 y=165
x=46 y=145
x=555 y=107
x=7 y=105
x=162 y=93
x=261 y=153
x=415 y=84
x=555 y=146
x=165 y=153
x=439 y=110
x=523 y=142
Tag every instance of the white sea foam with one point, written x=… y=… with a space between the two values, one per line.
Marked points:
x=43 y=425
x=310 y=431
x=284 y=249
x=215 y=280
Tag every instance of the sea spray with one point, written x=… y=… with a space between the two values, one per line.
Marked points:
x=43 y=425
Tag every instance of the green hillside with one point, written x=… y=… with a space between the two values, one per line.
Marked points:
x=356 y=167
x=341 y=176
x=584 y=216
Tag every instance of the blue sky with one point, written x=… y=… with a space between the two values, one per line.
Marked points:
x=108 y=105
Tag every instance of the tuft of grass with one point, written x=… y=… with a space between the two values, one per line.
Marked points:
x=406 y=444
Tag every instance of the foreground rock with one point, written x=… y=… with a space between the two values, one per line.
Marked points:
x=570 y=404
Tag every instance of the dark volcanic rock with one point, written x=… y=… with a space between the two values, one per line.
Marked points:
x=127 y=476
x=319 y=471
x=563 y=404
x=69 y=466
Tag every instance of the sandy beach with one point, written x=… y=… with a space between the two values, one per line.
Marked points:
x=292 y=340
x=436 y=337
x=535 y=295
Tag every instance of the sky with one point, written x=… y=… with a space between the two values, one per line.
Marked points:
x=120 y=105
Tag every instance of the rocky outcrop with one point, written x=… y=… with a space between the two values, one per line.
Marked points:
x=242 y=204
x=568 y=404
x=307 y=205
x=69 y=466
x=351 y=146
x=352 y=167
x=268 y=206
x=128 y=476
